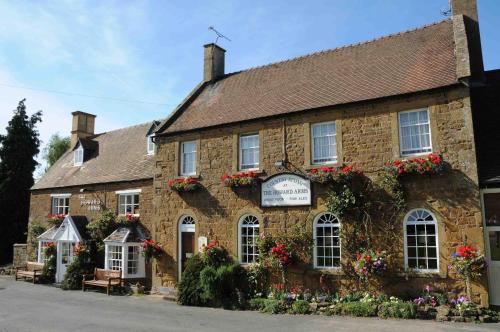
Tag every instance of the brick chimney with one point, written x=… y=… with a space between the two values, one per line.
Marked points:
x=213 y=67
x=468 y=41
x=83 y=126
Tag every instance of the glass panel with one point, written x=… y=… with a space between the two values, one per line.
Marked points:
x=411 y=241
x=412 y=252
x=410 y=229
x=492 y=209
x=412 y=263
x=432 y=264
x=494 y=239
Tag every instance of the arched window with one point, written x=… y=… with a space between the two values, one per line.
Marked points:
x=188 y=220
x=248 y=232
x=421 y=241
x=326 y=234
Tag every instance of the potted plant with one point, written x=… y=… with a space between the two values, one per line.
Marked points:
x=151 y=249
x=428 y=165
x=469 y=264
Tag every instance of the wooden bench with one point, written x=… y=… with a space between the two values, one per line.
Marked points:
x=31 y=270
x=103 y=278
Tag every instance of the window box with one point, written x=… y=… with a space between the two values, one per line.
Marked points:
x=242 y=179
x=427 y=165
x=326 y=175
x=184 y=184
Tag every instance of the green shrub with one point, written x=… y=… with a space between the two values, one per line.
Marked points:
x=224 y=286
x=189 y=289
x=216 y=256
x=397 y=310
x=272 y=306
x=83 y=263
x=300 y=307
x=257 y=303
x=359 y=309
x=49 y=269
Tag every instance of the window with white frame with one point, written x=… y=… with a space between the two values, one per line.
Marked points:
x=249 y=152
x=150 y=144
x=60 y=204
x=421 y=241
x=248 y=234
x=126 y=257
x=415 y=132
x=78 y=156
x=326 y=241
x=188 y=158
x=114 y=257
x=128 y=203
x=41 y=251
x=133 y=260
x=324 y=143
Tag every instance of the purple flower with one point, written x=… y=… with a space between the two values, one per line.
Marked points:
x=419 y=301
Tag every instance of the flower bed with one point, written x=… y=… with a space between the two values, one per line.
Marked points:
x=242 y=179
x=280 y=301
x=428 y=165
x=338 y=174
x=184 y=184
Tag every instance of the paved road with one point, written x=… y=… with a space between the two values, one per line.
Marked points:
x=28 y=307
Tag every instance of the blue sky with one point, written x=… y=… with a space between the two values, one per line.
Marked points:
x=152 y=51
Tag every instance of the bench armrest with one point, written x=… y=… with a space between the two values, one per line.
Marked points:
x=114 y=278
x=87 y=277
x=37 y=270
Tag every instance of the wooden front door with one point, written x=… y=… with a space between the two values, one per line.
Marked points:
x=187 y=250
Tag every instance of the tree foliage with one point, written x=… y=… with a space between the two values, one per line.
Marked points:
x=55 y=148
x=18 y=149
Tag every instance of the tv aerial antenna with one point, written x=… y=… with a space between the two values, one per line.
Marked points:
x=219 y=35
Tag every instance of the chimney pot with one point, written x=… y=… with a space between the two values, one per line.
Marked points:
x=82 y=127
x=213 y=62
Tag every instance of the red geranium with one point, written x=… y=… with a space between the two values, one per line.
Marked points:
x=239 y=179
x=183 y=184
x=432 y=164
x=151 y=249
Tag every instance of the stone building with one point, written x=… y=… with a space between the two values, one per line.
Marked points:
x=107 y=171
x=409 y=94
x=364 y=105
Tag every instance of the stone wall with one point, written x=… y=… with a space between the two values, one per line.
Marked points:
x=367 y=137
x=40 y=203
x=20 y=254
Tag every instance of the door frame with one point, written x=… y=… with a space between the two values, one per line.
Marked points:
x=486 y=237
x=184 y=228
x=59 y=263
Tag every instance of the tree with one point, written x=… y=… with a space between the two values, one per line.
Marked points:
x=18 y=149
x=56 y=147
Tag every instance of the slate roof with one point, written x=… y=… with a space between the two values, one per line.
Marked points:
x=48 y=234
x=119 y=155
x=130 y=233
x=407 y=62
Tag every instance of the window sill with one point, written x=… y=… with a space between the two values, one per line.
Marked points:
x=311 y=166
x=193 y=176
x=137 y=215
x=412 y=155
x=329 y=270
x=258 y=171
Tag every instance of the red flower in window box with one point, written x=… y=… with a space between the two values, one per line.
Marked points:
x=432 y=164
x=241 y=179
x=325 y=174
x=56 y=219
x=183 y=184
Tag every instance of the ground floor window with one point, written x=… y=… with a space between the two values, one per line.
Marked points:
x=41 y=251
x=326 y=234
x=421 y=241
x=114 y=257
x=248 y=234
x=127 y=258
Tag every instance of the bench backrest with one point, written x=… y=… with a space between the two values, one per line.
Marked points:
x=103 y=274
x=32 y=266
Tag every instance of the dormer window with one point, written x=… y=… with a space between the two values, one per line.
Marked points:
x=151 y=144
x=78 y=158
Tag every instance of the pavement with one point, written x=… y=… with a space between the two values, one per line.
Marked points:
x=27 y=307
